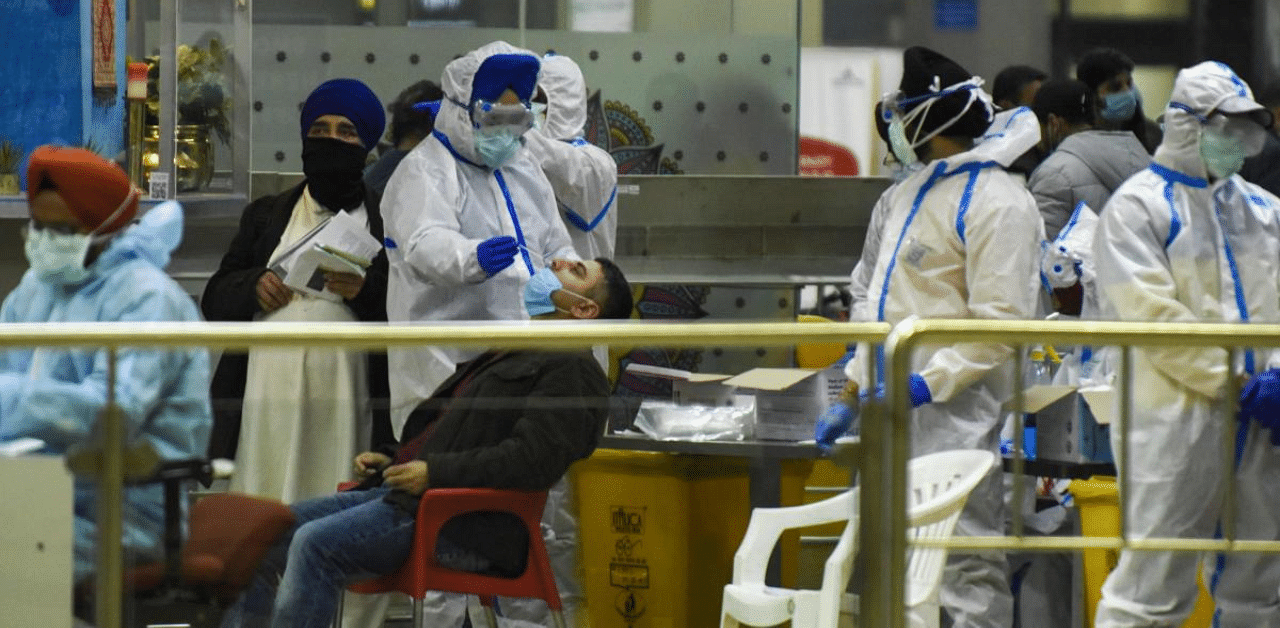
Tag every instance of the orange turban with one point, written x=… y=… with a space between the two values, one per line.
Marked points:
x=92 y=187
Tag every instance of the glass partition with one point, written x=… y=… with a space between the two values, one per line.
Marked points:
x=723 y=102
x=197 y=112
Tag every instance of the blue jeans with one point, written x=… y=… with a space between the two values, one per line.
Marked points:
x=338 y=539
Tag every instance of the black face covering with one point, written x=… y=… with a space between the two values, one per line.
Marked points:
x=334 y=171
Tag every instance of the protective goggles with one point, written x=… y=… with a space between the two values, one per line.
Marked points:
x=1243 y=128
x=488 y=115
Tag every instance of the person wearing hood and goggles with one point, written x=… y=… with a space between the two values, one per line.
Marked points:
x=90 y=262
x=305 y=409
x=470 y=215
x=583 y=175
x=1188 y=240
x=956 y=237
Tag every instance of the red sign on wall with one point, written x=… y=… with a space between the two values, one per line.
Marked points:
x=820 y=158
x=104 y=43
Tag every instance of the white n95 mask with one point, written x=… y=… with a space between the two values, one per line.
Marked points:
x=57 y=258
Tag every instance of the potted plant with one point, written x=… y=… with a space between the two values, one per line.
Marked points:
x=10 y=158
x=203 y=110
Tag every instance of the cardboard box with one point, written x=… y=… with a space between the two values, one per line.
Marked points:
x=689 y=388
x=1066 y=431
x=788 y=401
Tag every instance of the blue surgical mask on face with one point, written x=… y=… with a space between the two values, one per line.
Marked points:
x=57 y=258
x=537 y=292
x=1120 y=106
x=497 y=146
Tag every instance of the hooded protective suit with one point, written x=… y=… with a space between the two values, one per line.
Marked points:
x=583 y=175
x=56 y=394
x=1174 y=246
x=439 y=206
x=959 y=238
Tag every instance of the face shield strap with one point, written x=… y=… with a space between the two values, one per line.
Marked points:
x=891 y=106
x=95 y=237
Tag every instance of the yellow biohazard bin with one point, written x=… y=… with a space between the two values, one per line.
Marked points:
x=658 y=532
x=1100 y=516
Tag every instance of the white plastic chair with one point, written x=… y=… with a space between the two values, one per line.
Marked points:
x=938 y=484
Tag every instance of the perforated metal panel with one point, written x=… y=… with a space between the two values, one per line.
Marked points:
x=724 y=105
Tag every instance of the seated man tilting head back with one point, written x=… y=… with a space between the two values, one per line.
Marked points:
x=553 y=412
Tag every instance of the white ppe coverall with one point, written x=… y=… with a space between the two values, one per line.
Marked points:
x=57 y=394
x=958 y=238
x=439 y=206
x=1173 y=246
x=583 y=175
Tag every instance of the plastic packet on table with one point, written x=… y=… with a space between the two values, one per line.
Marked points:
x=665 y=420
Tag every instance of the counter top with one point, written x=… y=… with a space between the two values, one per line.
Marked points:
x=756 y=272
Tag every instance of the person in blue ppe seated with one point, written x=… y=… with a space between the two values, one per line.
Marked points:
x=412 y=120
x=92 y=262
x=1188 y=240
x=956 y=237
x=506 y=419
x=470 y=216
x=303 y=399
x=583 y=175
x=1118 y=103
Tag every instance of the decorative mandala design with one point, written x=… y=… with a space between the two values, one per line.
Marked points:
x=672 y=301
x=619 y=129
x=630 y=384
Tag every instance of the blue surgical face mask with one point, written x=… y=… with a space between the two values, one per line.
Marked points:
x=496 y=146
x=58 y=258
x=1120 y=106
x=537 y=292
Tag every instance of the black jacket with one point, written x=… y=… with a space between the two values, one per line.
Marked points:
x=518 y=422
x=231 y=295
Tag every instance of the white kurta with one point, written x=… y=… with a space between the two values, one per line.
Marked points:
x=306 y=409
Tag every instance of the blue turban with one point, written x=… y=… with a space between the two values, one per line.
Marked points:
x=351 y=99
x=498 y=73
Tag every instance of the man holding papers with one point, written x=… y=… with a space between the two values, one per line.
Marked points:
x=311 y=254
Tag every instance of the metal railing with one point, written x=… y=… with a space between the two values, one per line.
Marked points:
x=884 y=451
x=886 y=442
x=240 y=336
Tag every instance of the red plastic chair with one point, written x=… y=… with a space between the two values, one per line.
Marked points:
x=421 y=572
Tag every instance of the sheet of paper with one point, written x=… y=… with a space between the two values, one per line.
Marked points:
x=341 y=232
x=307 y=274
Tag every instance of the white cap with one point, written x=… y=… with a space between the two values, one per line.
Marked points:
x=1212 y=86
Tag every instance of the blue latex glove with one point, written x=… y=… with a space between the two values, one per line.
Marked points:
x=497 y=253
x=833 y=424
x=920 y=394
x=1260 y=401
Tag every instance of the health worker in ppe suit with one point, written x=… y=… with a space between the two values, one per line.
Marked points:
x=90 y=262
x=469 y=215
x=1188 y=240
x=585 y=180
x=956 y=237
x=583 y=175
x=470 y=218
